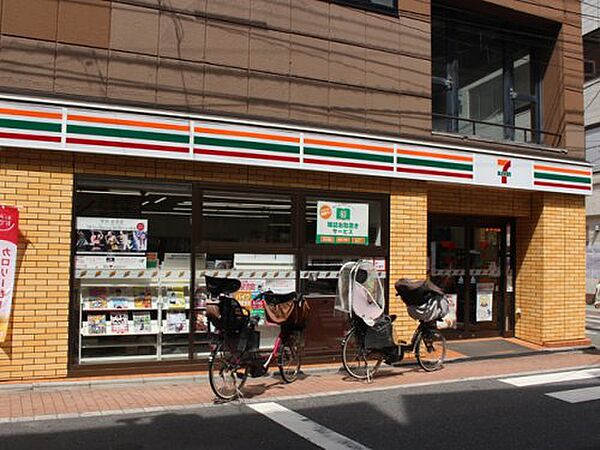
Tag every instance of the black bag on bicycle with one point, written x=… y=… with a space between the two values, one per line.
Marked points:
x=226 y=315
x=380 y=335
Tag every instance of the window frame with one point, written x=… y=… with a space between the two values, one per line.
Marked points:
x=369 y=6
x=510 y=96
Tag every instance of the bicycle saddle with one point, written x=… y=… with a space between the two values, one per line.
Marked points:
x=271 y=297
x=217 y=286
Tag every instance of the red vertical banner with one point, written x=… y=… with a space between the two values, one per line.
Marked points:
x=9 y=235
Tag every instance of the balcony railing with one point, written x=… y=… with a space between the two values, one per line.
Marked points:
x=493 y=130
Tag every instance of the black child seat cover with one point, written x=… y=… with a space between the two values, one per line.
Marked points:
x=416 y=292
x=217 y=286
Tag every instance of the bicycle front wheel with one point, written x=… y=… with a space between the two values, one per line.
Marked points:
x=430 y=350
x=225 y=375
x=290 y=358
x=359 y=362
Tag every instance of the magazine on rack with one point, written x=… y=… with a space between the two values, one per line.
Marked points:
x=142 y=323
x=119 y=323
x=97 y=298
x=119 y=298
x=175 y=322
x=142 y=298
x=96 y=324
x=175 y=297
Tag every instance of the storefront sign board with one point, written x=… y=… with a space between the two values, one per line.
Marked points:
x=105 y=234
x=342 y=223
x=109 y=130
x=9 y=236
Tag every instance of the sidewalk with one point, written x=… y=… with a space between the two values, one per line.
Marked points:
x=70 y=400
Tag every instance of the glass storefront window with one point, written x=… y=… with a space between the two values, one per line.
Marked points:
x=136 y=296
x=132 y=270
x=246 y=217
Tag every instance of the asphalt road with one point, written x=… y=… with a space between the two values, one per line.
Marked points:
x=489 y=414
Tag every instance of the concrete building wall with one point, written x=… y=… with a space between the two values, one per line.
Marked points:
x=307 y=61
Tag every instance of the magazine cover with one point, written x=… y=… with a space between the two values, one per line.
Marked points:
x=97 y=297
x=201 y=323
x=119 y=298
x=96 y=324
x=119 y=323
x=142 y=298
x=175 y=322
x=176 y=297
x=142 y=322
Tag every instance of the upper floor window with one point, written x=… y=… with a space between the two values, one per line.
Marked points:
x=591 y=55
x=486 y=81
x=385 y=6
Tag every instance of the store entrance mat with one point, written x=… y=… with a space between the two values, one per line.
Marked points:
x=487 y=347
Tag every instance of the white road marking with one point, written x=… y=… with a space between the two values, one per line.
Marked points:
x=547 y=378
x=577 y=395
x=306 y=428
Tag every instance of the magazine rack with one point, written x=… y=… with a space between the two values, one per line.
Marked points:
x=134 y=314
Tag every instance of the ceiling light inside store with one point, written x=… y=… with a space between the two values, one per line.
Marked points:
x=167 y=213
x=157 y=201
x=240 y=216
x=168 y=194
x=144 y=203
x=181 y=209
x=110 y=192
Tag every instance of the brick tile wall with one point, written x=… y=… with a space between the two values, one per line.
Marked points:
x=550 y=240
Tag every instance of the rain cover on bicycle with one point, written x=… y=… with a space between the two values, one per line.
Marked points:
x=360 y=291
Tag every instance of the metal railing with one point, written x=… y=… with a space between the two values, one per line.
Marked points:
x=512 y=133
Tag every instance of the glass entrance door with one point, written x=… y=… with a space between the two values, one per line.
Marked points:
x=469 y=259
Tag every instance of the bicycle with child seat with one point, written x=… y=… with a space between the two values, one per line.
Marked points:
x=370 y=339
x=362 y=362
x=236 y=355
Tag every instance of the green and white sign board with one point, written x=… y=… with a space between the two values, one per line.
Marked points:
x=342 y=223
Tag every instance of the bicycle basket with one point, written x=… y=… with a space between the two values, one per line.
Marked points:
x=291 y=314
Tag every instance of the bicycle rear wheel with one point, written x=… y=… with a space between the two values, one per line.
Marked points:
x=430 y=350
x=290 y=357
x=225 y=375
x=359 y=362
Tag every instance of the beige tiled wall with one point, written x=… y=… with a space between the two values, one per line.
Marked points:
x=550 y=244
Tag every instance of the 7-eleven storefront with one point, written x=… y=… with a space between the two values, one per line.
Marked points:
x=122 y=213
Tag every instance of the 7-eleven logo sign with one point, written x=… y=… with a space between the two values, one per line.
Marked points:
x=504 y=170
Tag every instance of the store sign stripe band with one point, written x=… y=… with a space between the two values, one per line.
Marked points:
x=127 y=122
x=541 y=168
x=433 y=163
x=438 y=173
x=30 y=125
x=233 y=154
x=28 y=113
x=250 y=145
x=131 y=145
x=558 y=177
x=349 y=145
x=421 y=153
x=355 y=165
x=247 y=134
x=29 y=137
x=562 y=185
x=127 y=134
x=315 y=151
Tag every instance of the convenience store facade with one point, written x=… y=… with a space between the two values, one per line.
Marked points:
x=114 y=201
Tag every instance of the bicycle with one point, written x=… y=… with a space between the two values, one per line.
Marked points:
x=236 y=353
x=361 y=362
